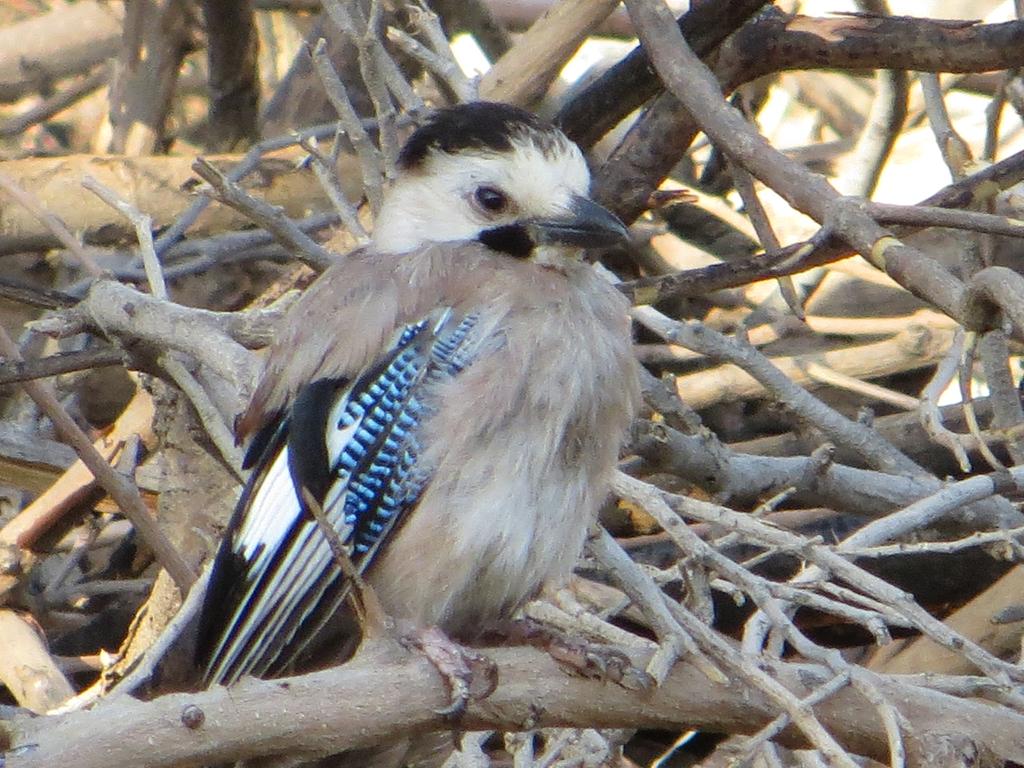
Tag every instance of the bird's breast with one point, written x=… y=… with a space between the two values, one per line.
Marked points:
x=520 y=445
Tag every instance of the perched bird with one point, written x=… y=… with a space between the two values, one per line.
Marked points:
x=452 y=395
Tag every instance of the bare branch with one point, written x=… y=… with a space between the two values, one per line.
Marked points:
x=270 y=217
x=328 y=715
x=369 y=155
x=143 y=225
x=119 y=487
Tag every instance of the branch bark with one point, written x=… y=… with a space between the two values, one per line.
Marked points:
x=159 y=186
x=326 y=712
x=69 y=40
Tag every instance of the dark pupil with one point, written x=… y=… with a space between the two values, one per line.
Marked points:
x=490 y=198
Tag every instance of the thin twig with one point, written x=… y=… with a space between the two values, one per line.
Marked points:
x=249 y=163
x=1006 y=537
x=955 y=151
x=883 y=125
x=827 y=375
x=826 y=560
x=380 y=74
x=270 y=217
x=375 y=65
x=876 y=450
x=428 y=24
x=143 y=225
x=125 y=493
x=368 y=154
x=58 y=102
x=771 y=608
x=756 y=742
x=326 y=174
x=683 y=624
x=642 y=590
x=30 y=203
x=931 y=216
x=931 y=416
x=444 y=68
x=361 y=597
x=62 y=362
x=1004 y=395
x=965 y=376
x=744 y=183
x=209 y=416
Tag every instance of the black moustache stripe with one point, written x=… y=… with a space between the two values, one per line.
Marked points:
x=512 y=239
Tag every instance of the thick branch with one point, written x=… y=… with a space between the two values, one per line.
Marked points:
x=778 y=42
x=234 y=73
x=798 y=258
x=526 y=70
x=601 y=105
x=327 y=712
x=689 y=80
x=69 y=40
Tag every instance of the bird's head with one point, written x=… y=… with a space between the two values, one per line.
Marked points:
x=499 y=175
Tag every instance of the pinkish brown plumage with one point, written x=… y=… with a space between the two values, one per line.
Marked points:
x=454 y=394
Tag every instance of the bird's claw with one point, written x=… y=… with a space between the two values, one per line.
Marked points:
x=468 y=675
x=597 y=662
x=579 y=657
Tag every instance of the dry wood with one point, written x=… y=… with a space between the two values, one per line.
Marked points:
x=76 y=483
x=992 y=620
x=122 y=490
x=27 y=669
x=157 y=35
x=30 y=461
x=326 y=714
x=915 y=347
x=795 y=500
x=232 y=45
x=521 y=76
x=161 y=186
x=69 y=40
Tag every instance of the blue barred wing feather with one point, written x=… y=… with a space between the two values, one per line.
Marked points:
x=353 y=444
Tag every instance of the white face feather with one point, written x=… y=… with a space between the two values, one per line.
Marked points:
x=436 y=202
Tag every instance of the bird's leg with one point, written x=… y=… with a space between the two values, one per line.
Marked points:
x=463 y=670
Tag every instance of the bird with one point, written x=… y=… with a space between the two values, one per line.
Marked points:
x=453 y=396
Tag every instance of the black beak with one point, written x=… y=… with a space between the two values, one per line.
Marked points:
x=586 y=225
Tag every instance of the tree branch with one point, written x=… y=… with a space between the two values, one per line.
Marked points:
x=327 y=713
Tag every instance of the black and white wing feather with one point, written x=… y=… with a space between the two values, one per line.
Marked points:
x=353 y=444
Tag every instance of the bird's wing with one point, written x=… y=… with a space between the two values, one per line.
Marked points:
x=352 y=443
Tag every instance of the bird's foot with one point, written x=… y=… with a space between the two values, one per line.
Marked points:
x=468 y=675
x=590 y=660
x=577 y=656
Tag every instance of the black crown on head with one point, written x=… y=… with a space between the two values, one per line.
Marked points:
x=481 y=125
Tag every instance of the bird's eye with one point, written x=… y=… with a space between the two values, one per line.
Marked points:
x=491 y=199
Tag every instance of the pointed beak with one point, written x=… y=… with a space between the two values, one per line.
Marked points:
x=585 y=225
